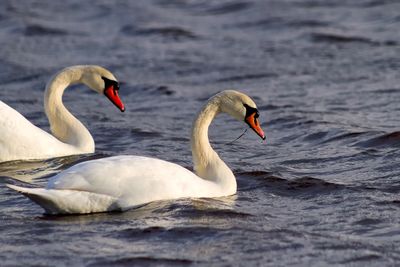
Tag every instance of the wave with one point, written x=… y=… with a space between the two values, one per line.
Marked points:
x=347 y=4
x=337 y=38
x=39 y=30
x=228 y=8
x=141 y=134
x=385 y=140
x=280 y=185
x=325 y=137
x=252 y=76
x=142 y=261
x=277 y=22
x=168 y=32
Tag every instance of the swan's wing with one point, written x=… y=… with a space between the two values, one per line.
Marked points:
x=20 y=139
x=68 y=201
x=132 y=179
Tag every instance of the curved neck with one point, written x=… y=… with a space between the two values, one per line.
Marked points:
x=64 y=126
x=207 y=163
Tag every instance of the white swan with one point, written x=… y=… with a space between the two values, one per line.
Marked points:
x=123 y=182
x=21 y=140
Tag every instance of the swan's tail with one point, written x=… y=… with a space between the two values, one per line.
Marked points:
x=55 y=201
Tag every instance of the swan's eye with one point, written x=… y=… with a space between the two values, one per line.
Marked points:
x=108 y=83
x=250 y=111
x=115 y=85
x=255 y=118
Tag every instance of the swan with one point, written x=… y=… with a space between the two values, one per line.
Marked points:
x=21 y=140
x=124 y=182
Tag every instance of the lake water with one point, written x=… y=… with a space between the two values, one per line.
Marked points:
x=323 y=190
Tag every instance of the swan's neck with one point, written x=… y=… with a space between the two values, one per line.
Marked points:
x=207 y=163
x=63 y=124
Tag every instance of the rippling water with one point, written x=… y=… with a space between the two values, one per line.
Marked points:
x=322 y=190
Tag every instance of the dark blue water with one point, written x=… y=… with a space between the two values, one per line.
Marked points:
x=322 y=191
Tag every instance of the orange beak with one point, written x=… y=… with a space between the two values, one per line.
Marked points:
x=252 y=121
x=112 y=94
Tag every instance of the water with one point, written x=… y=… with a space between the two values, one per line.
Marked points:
x=323 y=190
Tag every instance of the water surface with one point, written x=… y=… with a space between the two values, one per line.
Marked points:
x=322 y=190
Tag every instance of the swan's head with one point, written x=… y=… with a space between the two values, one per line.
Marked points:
x=241 y=107
x=102 y=81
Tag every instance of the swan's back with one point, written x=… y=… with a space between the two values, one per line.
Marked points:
x=20 y=139
x=134 y=180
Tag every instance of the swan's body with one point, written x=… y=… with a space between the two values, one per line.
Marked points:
x=101 y=186
x=21 y=140
x=122 y=182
